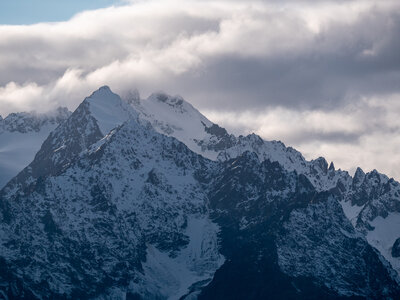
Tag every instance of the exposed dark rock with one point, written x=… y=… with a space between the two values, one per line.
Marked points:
x=396 y=248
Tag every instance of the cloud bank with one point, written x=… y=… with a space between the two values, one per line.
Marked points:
x=321 y=76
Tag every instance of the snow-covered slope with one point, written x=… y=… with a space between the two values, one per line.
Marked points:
x=173 y=116
x=270 y=217
x=147 y=199
x=192 y=268
x=94 y=118
x=108 y=109
x=21 y=135
x=372 y=203
x=383 y=236
x=124 y=218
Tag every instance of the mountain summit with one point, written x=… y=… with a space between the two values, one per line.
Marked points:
x=148 y=199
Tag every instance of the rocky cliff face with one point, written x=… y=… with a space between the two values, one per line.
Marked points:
x=370 y=201
x=285 y=240
x=94 y=229
x=147 y=199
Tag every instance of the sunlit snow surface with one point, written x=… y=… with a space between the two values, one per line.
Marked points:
x=108 y=109
x=175 y=117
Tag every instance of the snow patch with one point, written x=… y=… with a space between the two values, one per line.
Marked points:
x=194 y=266
x=175 y=117
x=351 y=211
x=108 y=109
x=386 y=231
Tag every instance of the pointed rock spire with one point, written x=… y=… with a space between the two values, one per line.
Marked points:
x=358 y=176
x=321 y=163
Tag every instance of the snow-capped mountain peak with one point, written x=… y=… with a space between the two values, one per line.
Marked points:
x=173 y=116
x=108 y=109
x=359 y=176
x=321 y=164
x=148 y=199
x=176 y=102
x=94 y=118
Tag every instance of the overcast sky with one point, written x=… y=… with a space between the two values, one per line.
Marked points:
x=322 y=76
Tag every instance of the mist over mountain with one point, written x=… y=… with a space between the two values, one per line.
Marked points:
x=130 y=198
x=21 y=135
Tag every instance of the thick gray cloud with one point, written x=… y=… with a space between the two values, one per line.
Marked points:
x=304 y=55
x=322 y=76
x=338 y=64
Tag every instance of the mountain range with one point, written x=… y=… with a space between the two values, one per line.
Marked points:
x=130 y=198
